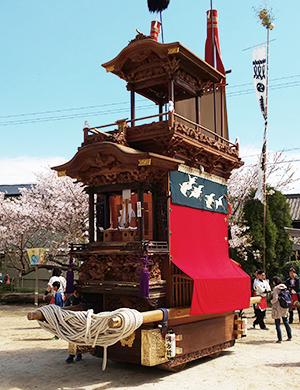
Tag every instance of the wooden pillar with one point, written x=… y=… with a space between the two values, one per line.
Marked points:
x=171 y=90
x=91 y=216
x=197 y=102
x=140 y=220
x=154 y=214
x=132 y=106
x=160 y=111
x=106 y=212
x=171 y=98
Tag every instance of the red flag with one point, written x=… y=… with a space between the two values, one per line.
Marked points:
x=212 y=44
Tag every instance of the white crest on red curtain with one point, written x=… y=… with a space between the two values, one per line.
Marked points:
x=259 y=76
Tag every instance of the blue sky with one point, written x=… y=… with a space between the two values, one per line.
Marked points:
x=52 y=80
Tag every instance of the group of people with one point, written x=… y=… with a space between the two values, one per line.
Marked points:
x=57 y=287
x=4 y=279
x=261 y=287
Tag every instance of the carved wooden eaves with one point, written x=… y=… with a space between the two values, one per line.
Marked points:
x=110 y=160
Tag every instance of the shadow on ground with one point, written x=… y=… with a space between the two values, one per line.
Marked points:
x=31 y=369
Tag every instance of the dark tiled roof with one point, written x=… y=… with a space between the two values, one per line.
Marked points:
x=13 y=189
x=294 y=202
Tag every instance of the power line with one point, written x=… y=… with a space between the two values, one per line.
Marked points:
x=67 y=109
x=64 y=117
x=275 y=163
x=277 y=79
x=271 y=87
x=120 y=110
x=271 y=151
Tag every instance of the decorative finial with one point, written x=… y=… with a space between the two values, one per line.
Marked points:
x=86 y=125
x=265 y=13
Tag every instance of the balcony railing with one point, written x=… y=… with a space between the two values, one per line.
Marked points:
x=123 y=124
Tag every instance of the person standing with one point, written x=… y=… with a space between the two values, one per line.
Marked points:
x=293 y=284
x=58 y=299
x=73 y=300
x=6 y=279
x=252 y=289
x=278 y=311
x=261 y=288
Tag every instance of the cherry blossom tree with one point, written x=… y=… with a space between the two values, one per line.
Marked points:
x=51 y=214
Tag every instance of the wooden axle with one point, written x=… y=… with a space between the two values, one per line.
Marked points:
x=38 y=315
x=174 y=313
x=148 y=316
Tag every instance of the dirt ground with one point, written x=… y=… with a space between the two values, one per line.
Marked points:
x=29 y=360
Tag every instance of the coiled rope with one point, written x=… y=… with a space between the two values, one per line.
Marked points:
x=87 y=328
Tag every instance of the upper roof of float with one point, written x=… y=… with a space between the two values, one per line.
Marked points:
x=145 y=63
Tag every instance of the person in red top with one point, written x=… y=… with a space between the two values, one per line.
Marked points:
x=6 y=279
x=293 y=284
x=261 y=288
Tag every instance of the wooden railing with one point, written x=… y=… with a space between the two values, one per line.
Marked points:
x=202 y=128
x=120 y=123
x=182 y=290
x=170 y=117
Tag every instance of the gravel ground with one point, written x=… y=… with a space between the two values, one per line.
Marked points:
x=29 y=360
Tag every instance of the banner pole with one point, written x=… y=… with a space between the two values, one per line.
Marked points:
x=265 y=155
x=213 y=59
x=36 y=301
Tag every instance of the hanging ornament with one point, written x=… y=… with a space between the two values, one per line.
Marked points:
x=144 y=275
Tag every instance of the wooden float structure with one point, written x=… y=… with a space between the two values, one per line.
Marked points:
x=137 y=175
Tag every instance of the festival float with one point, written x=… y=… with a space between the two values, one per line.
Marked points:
x=157 y=262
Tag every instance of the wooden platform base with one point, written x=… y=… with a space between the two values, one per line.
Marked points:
x=183 y=359
x=198 y=339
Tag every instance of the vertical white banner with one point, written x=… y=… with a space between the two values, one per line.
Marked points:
x=260 y=76
x=259 y=194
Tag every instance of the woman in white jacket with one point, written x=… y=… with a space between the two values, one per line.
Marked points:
x=278 y=311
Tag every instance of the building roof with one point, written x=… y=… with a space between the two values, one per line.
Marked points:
x=294 y=202
x=13 y=189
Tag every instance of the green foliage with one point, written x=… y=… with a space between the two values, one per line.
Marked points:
x=248 y=266
x=280 y=214
x=278 y=244
x=284 y=270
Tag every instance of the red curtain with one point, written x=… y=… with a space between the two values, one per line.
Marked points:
x=199 y=247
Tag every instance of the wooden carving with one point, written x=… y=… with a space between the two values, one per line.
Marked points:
x=171 y=65
x=94 y=179
x=119 y=267
x=116 y=137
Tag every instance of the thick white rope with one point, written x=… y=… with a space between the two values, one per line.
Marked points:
x=87 y=328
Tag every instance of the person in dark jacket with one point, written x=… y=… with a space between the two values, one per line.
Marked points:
x=293 y=284
x=73 y=299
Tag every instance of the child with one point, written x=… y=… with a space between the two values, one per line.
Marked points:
x=58 y=299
